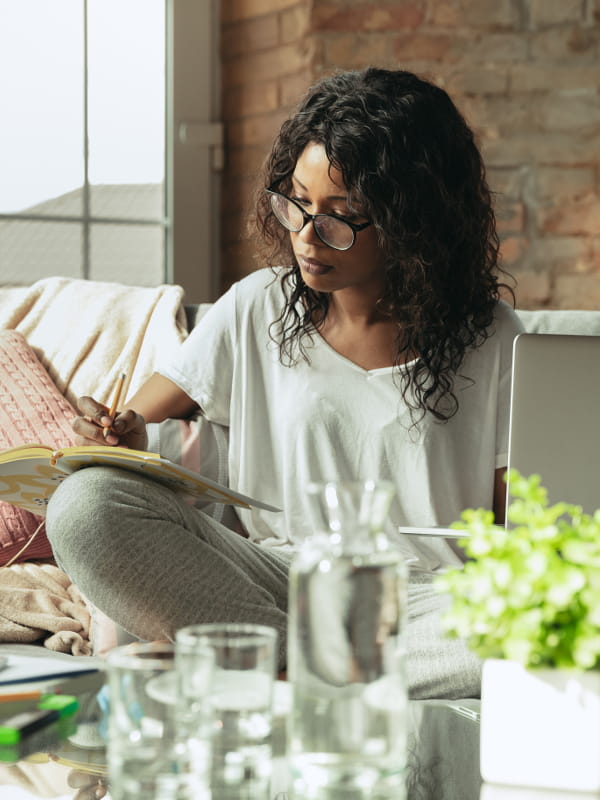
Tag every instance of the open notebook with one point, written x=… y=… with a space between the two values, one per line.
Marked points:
x=555 y=415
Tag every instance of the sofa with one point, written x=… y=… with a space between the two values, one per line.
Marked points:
x=84 y=334
x=61 y=338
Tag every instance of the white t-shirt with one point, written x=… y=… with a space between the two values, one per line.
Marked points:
x=333 y=420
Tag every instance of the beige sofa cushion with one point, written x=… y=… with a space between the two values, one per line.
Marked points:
x=586 y=323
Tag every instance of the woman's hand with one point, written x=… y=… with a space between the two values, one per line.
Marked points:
x=89 y=786
x=126 y=428
x=158 y=399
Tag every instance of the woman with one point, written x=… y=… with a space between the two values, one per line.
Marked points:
x=379 y=350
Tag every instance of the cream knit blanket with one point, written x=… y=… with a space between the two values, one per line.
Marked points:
x=86 y=333
x=38 y=603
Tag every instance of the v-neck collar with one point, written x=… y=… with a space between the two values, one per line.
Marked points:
x=369 y=373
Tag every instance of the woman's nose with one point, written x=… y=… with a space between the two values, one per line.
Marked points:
x=308 y=233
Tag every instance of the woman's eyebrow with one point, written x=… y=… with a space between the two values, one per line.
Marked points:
x=330 y=197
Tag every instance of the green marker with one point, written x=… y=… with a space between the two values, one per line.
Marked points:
x=50 y=708
x=16 y=728
x=65 y=704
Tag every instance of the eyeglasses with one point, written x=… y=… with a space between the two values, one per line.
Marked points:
x=333 y=231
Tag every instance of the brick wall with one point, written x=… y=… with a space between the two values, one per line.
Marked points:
x=267 y=63
x=526 y=74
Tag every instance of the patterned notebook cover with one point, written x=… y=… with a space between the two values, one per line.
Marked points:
x=29 y=474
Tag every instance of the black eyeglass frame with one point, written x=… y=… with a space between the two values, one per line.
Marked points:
x=354 y=227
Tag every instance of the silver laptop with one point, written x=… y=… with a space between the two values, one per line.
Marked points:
x=554 y=418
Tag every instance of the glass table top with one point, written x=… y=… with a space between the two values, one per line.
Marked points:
x=68 y=761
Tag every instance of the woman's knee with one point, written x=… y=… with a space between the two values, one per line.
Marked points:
x=80 y=509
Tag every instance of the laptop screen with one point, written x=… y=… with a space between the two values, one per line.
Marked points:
x=555 y=415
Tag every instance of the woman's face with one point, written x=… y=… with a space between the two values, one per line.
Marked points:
x=319 y=189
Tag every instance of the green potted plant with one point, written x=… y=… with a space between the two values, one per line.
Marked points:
x=527 y=601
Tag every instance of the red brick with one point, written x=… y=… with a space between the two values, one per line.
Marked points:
x=401 y=15
x=354 y=51
x=428 y=47
x=250 y=35
x=506 y=183
x=521 y=88
x=510 y=217
x=496 y=48
x=575 y=45
x=588 y=261
x=483 y=80
x=491 y=15
x=512 y=250
x=499 y=113
x=581 y=217
x=235 y=10
x=559 y=254
x=446 y=13
x=533 y=289
x=243 y=101
x=557 y=184
x=543 y=77
x=569 y=110
x=294 y=23
x=292 y=88
x=245 y=161
x=577 y=291
x=550 y=148
x=284 y=60
x=257 y=130
x=554 y=12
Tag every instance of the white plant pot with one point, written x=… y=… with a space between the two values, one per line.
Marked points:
x=540 y=727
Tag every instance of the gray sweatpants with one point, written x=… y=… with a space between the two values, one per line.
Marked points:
x=153 y=563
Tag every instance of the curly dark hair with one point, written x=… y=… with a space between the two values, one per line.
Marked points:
x=407 y=155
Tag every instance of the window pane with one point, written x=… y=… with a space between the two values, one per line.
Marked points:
x=127 y=200
x=41 y=90
x=131 y=254
x=33 y=250
x=126 y=105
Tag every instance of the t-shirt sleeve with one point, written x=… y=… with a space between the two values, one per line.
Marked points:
x=204 y=363
x=509 y=327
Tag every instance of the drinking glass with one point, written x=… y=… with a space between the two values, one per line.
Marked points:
x=150 y=754
x=241 y=700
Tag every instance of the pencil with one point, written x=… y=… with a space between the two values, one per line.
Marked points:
x=115 y=402
x=34 y=694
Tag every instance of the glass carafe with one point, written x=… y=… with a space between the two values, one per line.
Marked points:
x=346 y=651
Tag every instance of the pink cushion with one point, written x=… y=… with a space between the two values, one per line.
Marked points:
x=31 y=410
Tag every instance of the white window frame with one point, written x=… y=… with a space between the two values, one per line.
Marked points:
x=194 y=145
x=193 y=154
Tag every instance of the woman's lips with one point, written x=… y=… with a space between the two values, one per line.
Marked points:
x=313 y=267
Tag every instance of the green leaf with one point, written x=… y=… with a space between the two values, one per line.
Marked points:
x=530 y=592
